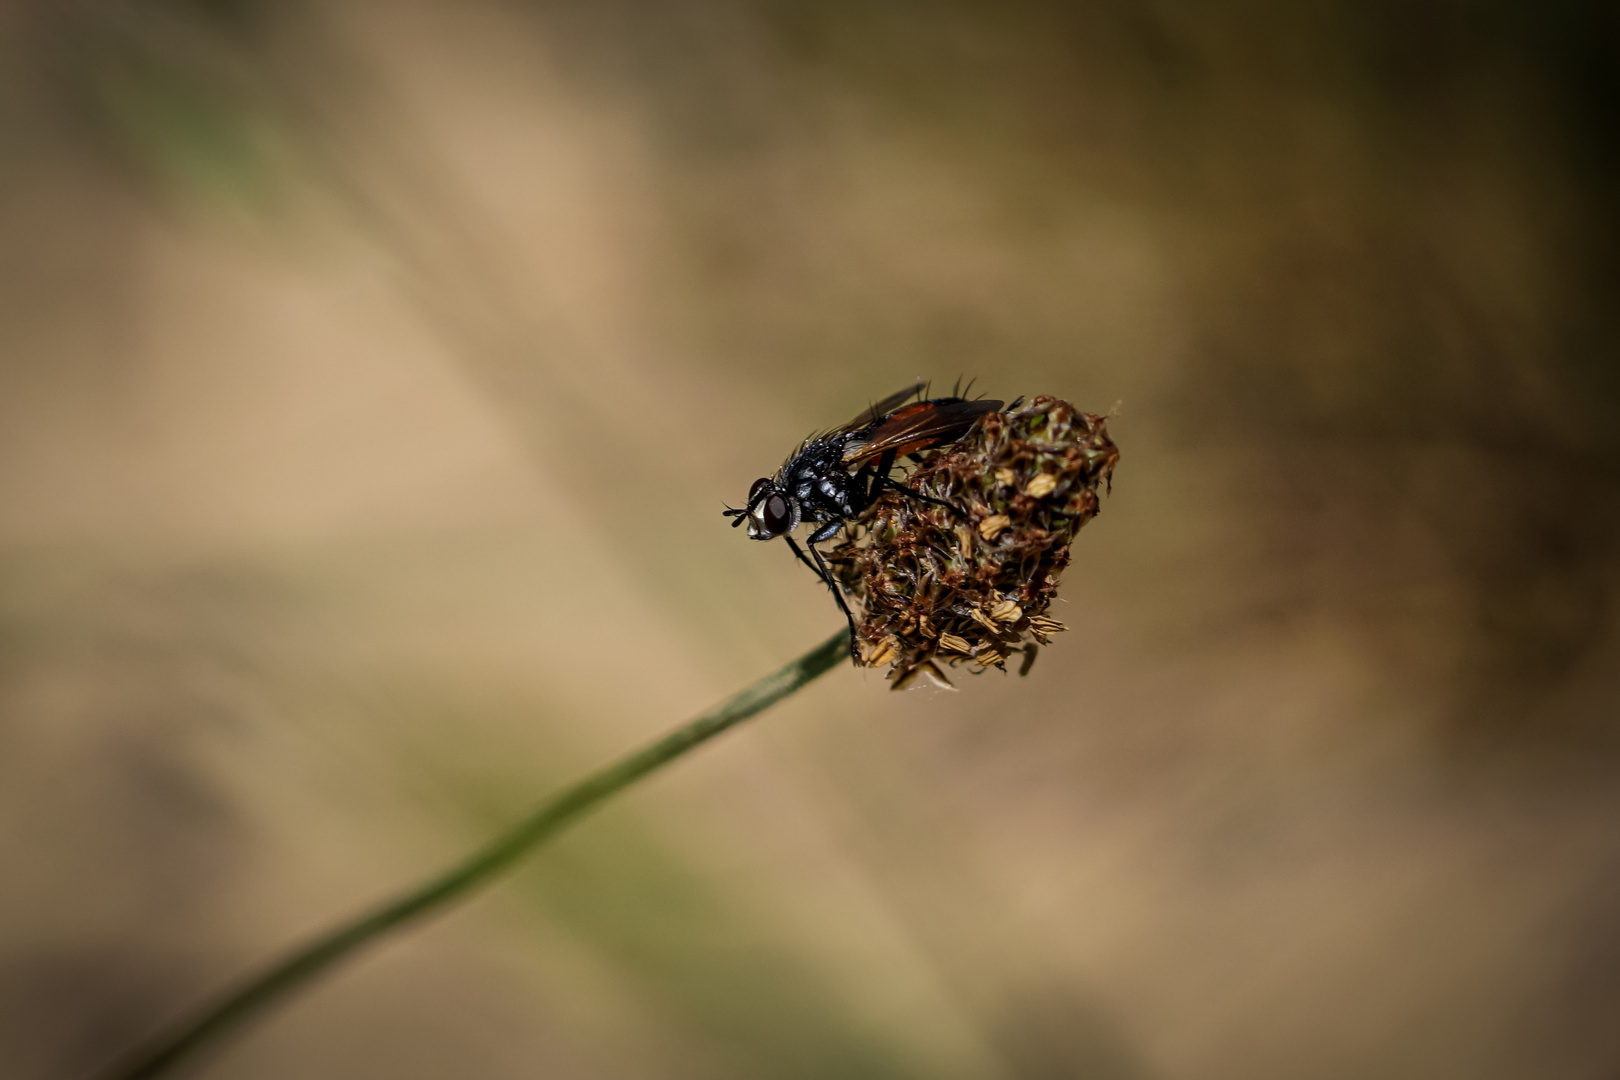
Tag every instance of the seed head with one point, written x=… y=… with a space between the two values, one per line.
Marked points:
x=930 y=588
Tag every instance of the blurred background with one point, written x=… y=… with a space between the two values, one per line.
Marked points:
x=372 y=377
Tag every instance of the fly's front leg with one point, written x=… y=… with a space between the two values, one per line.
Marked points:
x=798 y=553
x=838 y=594
x=826 y=532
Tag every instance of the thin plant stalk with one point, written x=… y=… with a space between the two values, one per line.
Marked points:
x=234 y=1008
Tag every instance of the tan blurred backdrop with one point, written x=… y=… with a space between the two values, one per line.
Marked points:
x=372 y=376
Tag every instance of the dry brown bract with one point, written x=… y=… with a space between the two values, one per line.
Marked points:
x=929 y=588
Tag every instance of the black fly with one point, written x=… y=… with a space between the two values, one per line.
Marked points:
x=831 y=479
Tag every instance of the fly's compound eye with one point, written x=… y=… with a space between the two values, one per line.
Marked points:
x=759 y=485
x=775 y=515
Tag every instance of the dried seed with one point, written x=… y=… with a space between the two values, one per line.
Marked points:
x=992 y=526
x=881 y=653
x=984 y=620
x=954 y=644
x=1046 y=625
x=904 y=678
x=989 y=657
x=1042 y=486
x=926 y=668
x=1006 y=611
x=1006 y=477
x=1083 y=503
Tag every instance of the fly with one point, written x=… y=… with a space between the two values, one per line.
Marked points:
x=832 y=478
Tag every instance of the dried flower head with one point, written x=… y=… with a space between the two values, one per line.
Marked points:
x=930 y=587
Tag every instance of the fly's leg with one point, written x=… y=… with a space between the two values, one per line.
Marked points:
x=820 y=567
x=826 y=532
x=876 y=478
x=838 y=594
x=798 y=553
x=881 y=479
x=915 y=494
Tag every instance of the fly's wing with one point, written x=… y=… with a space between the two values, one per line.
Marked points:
x=919 y=427
x=884 y=407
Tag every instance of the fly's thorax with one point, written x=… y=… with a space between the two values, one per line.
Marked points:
x=821 y=481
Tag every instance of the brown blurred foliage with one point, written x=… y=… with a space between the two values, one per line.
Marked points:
x=371 y=380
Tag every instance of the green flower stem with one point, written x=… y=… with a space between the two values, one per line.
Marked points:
x=236 y=1007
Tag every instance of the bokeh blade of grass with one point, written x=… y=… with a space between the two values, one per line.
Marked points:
x=286 y=977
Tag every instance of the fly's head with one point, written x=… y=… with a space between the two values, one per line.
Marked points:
x=771 y=511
